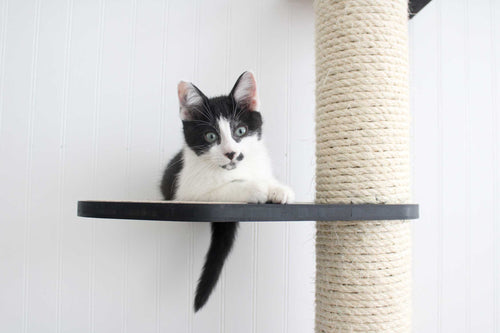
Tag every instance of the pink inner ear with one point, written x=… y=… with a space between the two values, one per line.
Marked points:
x=182 y=91
x=254 y=103
x=246 y=91
x=253 y=93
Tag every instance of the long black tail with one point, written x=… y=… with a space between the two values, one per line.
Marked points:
x=223 y=234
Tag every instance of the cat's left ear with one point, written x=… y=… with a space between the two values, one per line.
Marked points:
x=244 y=91
x=190 y=100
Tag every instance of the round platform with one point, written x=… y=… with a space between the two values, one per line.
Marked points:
x=229 y=212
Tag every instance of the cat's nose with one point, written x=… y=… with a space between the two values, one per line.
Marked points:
x=230 y=155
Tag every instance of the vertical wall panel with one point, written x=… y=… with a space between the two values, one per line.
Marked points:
x=145 y=95
x=453 y=106
x=427 y=247
x=495 y=56
x=46 y=104
x=110 y=236
x=61 y=166
x=301 y=150
x=8 y=249
x=28 y=199
x=481 y=157
x=18 y=72
x=79 y=166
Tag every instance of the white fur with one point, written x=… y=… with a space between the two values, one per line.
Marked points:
x=228 y=144
x=202 y=178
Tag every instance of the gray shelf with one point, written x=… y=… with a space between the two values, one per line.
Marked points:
x=229 y=212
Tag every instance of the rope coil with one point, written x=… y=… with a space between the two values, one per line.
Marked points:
x=363 y=270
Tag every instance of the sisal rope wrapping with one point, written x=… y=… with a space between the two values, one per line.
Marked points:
x=363 y=270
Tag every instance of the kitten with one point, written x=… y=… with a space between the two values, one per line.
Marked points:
x=223 y=160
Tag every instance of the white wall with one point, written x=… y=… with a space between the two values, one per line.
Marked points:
x=88 y=109
x=455 y=50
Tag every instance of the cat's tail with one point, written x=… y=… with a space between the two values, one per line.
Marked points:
x=223 y=234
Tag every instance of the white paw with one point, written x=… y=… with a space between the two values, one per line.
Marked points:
x=256 y=192
x=280 y=194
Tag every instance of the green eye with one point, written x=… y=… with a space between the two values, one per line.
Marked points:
x=211 y=137
x=240 y=131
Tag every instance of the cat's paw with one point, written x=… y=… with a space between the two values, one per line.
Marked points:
x=256 y=192
x=280 y=194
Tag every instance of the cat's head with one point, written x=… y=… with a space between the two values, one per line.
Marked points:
x=221 y=130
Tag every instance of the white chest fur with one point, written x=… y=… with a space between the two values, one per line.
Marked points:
x=250 y=181
x=201 y=180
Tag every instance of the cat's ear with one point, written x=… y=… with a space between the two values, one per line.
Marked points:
x=191 y=99
x=244 y=91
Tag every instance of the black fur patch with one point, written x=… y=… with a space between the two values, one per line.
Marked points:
x=223 y=234
x=169 y=180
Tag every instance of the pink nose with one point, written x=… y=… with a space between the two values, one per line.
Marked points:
x=230 y=155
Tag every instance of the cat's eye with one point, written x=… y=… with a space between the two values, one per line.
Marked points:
x=211 y=137
x=240 y=131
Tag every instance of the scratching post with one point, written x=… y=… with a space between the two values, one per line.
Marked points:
x=363 y=280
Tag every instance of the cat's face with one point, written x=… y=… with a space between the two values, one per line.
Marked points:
x=221 y=130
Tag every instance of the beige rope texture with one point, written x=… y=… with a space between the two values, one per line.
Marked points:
x=363 y=277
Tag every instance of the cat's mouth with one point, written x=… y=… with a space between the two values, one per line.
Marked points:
x=230 y=166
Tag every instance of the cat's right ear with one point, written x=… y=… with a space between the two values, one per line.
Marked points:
x=190 y=99
x=244 y=91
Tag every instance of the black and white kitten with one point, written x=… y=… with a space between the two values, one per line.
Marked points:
x=224 y=160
